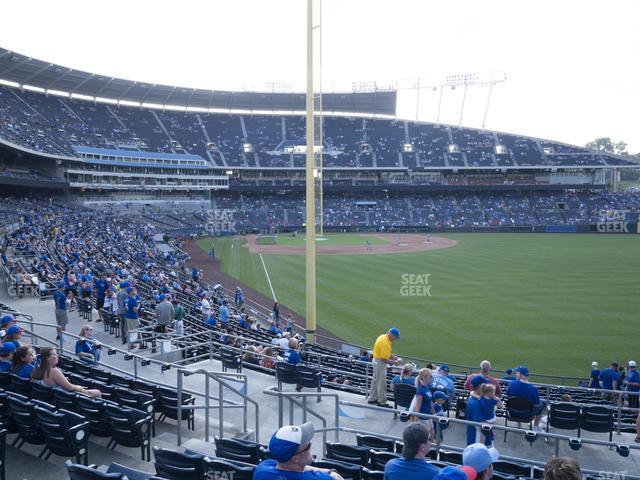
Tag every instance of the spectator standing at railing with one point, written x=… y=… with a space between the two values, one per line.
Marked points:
x=382 y=357
x=100 y=288
x=609 y=379
x=121 y=298
x=632 y=384
x=239 y=297
x=275 y=313
x=60 y=301
x=485 y=370
x=131 y=315
x=164 y=313
x=205 y=306
x=179 y=314
x=223 y=313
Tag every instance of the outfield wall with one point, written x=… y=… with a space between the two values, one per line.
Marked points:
x=601 y=227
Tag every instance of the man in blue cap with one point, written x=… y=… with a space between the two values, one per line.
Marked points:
x=442 y=382
x=290 y=456
x=60 y=301
x=522 y=388
x=382 y=357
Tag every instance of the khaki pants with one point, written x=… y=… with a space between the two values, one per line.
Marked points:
x=378 y=392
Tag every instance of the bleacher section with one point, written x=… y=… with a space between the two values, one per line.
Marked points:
x=53 y=125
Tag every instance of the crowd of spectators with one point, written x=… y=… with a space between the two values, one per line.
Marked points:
x=52 y=124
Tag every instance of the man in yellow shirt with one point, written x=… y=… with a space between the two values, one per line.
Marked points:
x=382 y=357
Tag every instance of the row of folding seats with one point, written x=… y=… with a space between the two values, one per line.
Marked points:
x=68 y=429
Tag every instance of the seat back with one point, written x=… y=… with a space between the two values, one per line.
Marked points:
x=20 y=385
x=403 y=394
x=348 y=471
x=235 y=449
x=596 y=419
x=24 y=416
x=167 y=403
x=519 y=409
x=308 y=377
x=375 y=443
x=565 y=416
x=218 y=465
x=372 y=474
x=230 y=358
x=134 y=399
x=286 y=373
x=451 y=457
x=93 y=410
x=378 y=459
x=82 y=472
x=512 y=468
x=43 y=393
x=66 y=433
x=64 y=399
x=172 y=465
x=5 y=380
x=348 y=453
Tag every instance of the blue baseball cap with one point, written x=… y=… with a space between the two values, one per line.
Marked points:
x=7 y=348
x=440 y=396
x=129 y=289
x=523 y=370
x=6 y=319
x=509 y=371
x=444 y=367
x=290 y=440
x=478 y=380
x=124 y=284
x=60 y=284
x=14 y=329
x=479 y=457
x=456 y=473
x=395 y=331
x=161 y=297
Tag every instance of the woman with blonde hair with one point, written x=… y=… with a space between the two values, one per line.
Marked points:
x=423 y=401
x=47 y=373
x=87 y=347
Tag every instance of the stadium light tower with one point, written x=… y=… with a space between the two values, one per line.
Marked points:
x=471 y=79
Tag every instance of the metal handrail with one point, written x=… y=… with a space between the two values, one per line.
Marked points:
x=221 y=385
x=337 y=428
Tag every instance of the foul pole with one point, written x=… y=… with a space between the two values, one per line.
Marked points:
x=310 y=193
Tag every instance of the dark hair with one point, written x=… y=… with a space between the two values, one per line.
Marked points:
x=562 y=468
x=413 y=436
x=41 y=370
x=19 y=356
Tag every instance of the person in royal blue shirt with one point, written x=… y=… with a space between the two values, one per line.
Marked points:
x=423 y=400
x=522 y=388
x=632 y=384
x=609 y=378
x=212 y=321
x=100 y=288
x=473 y=411
x=292 y=356
x=132 y=307
x=417 y=438
x=6 y=356
x=594 y=376
x=60 y=301
x=290 y=457
x=223 y=313
x=24 y=359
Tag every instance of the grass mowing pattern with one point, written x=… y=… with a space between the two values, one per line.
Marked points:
x=556 y=302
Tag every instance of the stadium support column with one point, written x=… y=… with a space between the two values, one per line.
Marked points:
x=310 y=181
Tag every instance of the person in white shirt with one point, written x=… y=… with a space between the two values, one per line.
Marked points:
x=206 y=309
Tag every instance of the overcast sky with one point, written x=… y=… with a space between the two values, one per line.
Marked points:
x=573 y=67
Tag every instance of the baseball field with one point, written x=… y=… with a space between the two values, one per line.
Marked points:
x=553 y=301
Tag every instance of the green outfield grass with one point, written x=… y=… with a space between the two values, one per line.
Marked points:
x=330 y=239
x=556 y=302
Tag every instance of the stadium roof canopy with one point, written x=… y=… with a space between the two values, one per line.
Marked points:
x=27 y=71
